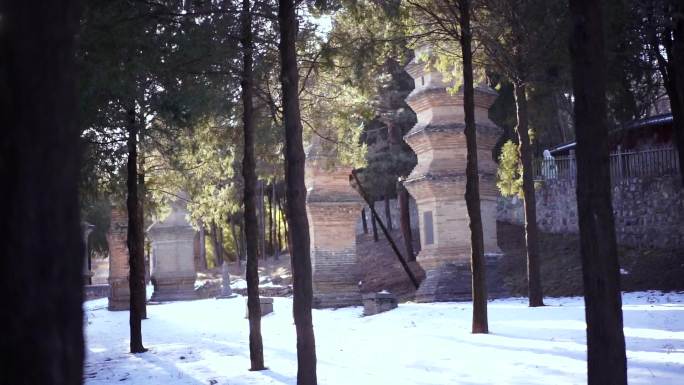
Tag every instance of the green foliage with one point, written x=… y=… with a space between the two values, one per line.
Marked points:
x=509 y=173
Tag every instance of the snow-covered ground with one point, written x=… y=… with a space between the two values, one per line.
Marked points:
x=205 y=342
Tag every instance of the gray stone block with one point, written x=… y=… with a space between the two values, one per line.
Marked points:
x=266 y=306
x=375 y=303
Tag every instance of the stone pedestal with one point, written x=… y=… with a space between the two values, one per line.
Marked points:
x=117 y=235
x=226 y=291
x=265 y=305
x=332 y=208
x=438 y=181
x=375 y=303
x=173 y=264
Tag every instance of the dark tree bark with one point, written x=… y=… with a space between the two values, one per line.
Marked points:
x=672 y=70
x=374 y=224
x=256 y=348
x=236 y=239
x=221 y=254
x=136 y=240
x=472 y=193
x=606 y=360
x=141 y=223
x=276 y=226
x=364 y=223
x=41 y=263
x=677 y=53
x=271 y=244
x=261 y=219
x=405 y=221
x=243 y=241
x=296 y=196
x=202 y=248
x=535 y=293
x=388 y=212
x=216 y=244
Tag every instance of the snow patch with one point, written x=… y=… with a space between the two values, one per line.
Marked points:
x=207 y=342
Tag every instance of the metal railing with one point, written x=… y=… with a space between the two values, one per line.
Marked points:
x=658 y=161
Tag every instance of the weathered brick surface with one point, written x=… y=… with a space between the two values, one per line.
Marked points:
x=438 y=181
x=173 y=262
x=119 y=293
x=333 y=208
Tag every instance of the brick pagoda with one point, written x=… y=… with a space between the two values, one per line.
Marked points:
x=333 y=207
x=438 y=181
x=119 y=293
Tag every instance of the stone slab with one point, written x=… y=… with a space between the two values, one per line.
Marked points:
x=375 y=303
x=266 y=304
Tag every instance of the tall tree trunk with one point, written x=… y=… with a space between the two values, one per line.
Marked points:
x=141 y=222
x=276 y=226
x=261 y=218
x=202 y=247
x=374 y=224
x=388 y=212
x=674 y=81
x=41 y=263
x=405 y=221
x=363 y=221
x=236 y=240
x=296 y=196
x=221 y=255
x=271 y=244
x=559 y=117
x=534 y=287
x=135 y=242
x=606 y=360
x=256 y=348
x=215 y=243
x=472 y=193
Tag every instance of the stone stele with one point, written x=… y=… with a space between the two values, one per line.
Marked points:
x=119 y=293
x=332 y=207
x=173 y=264
x=438 y=181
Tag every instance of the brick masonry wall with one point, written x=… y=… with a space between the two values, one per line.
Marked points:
x=649 y=211
x=118 y=260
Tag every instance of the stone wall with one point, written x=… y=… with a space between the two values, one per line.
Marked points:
x=649 y=211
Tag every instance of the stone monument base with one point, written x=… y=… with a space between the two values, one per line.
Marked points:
x=336 y=299
x=119 y=295
x=452 y=281
x=375 y=303
x=265 y=305
x=178 y=289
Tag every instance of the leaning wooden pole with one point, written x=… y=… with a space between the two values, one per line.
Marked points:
x=400 y=257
